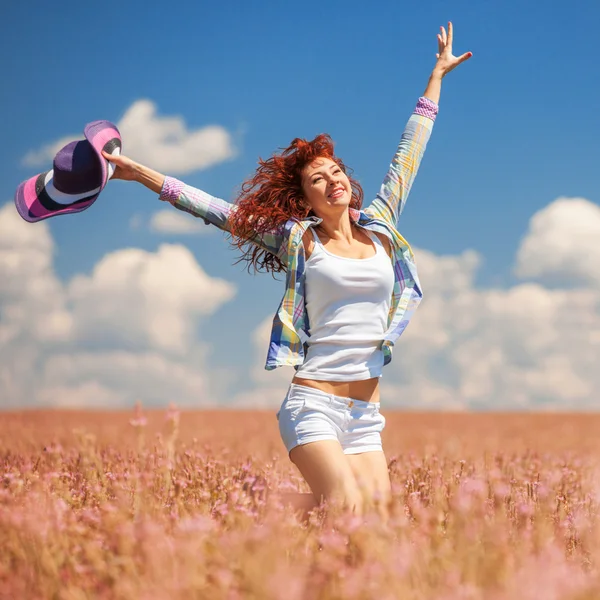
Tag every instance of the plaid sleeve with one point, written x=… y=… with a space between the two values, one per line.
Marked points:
x=214 y=211
x=389 y=202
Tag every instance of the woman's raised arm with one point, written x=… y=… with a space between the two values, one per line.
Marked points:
x=213 y=210
x=396 y=186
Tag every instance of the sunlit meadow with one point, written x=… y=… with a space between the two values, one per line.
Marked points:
x=162 y=504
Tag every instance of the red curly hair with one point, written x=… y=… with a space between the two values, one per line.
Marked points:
x=274 y=195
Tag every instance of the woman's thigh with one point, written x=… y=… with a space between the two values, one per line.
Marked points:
x=372 y=476
x=328 y=472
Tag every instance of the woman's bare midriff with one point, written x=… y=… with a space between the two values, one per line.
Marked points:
x=366 y=390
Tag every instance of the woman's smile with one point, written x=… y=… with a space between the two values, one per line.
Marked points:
x=337 y=193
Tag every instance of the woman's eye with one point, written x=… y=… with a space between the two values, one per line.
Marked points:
x=317 y=180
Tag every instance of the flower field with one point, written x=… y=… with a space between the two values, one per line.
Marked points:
x=162 y=504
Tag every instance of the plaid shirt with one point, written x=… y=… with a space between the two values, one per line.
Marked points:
x=290 y=331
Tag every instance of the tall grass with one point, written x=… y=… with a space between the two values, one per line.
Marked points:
x=162 y=505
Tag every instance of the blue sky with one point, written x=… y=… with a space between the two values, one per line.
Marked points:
x=517 y=129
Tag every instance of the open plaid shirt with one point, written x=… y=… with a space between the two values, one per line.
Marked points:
x=290 y=331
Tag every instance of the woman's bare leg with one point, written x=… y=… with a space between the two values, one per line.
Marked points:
x=373 y=479
x=359 y=481
x=328 y=473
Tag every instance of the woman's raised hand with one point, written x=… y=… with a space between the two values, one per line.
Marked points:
x=129 y=170
x=446 y=61
x=125 y=168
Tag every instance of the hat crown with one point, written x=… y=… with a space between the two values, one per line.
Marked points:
x=76 y=168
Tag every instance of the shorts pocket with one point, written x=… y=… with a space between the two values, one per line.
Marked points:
x=291 y=408
x=294 y=407
x=311 y=404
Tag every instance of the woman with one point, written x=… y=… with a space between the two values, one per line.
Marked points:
x=351 y=288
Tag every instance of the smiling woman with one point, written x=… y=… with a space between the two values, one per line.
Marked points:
x=285 y=188
x=351 y=289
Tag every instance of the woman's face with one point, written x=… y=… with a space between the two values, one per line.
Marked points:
x=326 y=187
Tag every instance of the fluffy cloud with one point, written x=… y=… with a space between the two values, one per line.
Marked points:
x=177 y=223
x=562 y=243
x=126 y=331
x=89 y=395
x=270 y=386
x=517 y=348
x=164 y=143
x=167 y=144
x=118 y=378
x=31 y=299
x=527 y=346
x=141 y=299
x=523 y=347
x=170 y=222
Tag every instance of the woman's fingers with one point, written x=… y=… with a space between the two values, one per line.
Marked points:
x=123 y=166
x=444 y=36
x=463 y=57
x=447 y=61
x=110 y=157
x=106 y=155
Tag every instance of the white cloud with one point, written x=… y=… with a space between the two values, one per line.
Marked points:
x=177 y=223
x=25 y=254
x=126 y=331
x=163 y=143
x=270 y=386
x=166 y=144
x=562 y=244
x=421 y=394
x=31 y=298
x=119 y=377
x=89 y=395
x=518 y=348
x=141 y=299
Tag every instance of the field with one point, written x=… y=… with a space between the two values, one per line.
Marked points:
x=162 y=504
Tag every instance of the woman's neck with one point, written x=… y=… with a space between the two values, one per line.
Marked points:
x=340 y=228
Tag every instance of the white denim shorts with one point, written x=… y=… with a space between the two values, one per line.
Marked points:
x=309 y=415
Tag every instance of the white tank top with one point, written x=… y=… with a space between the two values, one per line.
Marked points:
x=348 y=302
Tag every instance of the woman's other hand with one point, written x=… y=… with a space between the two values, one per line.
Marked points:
x=125 y=168
x=446 y=61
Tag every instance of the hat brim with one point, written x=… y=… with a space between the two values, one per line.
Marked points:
x=104 y=136
x=37 y=199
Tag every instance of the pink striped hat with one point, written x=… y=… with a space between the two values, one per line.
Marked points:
x=79 y=174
